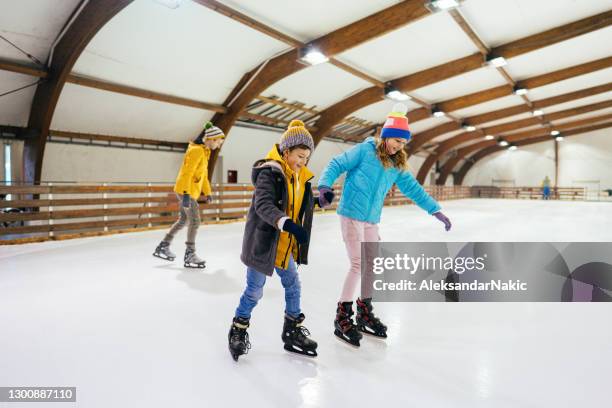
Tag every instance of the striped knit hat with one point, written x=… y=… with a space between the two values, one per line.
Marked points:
x=397 y=123
x=212 y=132
x=295 y=135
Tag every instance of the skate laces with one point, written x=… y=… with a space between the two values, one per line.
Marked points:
x=240 y=334
x=302 y=330
x=344 y=319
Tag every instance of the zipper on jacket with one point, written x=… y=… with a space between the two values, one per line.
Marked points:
x=285 y=263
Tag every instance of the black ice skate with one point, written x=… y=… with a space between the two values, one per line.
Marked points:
x=163 y=251
x=192 y=260
x=238 y=338
x=366 y=321
x=345 y=329
x=295 y=337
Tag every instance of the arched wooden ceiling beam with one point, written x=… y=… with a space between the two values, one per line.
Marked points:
x=457 y=156
x=472 y=160
x=530 y=83
x=449 y=144
x=335 y=113
x=340 y=40
x=281 y=66
x=93 y=16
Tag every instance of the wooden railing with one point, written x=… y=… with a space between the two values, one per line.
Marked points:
x=529 y=193
x=61 y=211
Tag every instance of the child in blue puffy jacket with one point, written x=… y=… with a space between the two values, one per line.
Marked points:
x=371 y=167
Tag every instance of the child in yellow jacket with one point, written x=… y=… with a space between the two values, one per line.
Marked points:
x=191 y=182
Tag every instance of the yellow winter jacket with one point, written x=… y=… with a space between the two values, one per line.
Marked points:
x=296 y=184
x=193 y=175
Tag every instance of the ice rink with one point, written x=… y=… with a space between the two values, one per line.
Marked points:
x=130 y=330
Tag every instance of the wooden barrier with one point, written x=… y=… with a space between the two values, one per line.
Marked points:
x=528 y=193
x=60 y=211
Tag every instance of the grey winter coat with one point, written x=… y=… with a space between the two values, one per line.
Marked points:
x=268 y=206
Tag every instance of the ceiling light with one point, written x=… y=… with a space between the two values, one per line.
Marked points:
x=311 y=55
x=436 y=112
x=503 y=143
x=519 y=90
x=537 y=112
x=468 y=128
x=496 y=61
x=512 y=147
x=559 y=138
x=489 y=137
x=441 y=5
x=554 y=133
x=393 y=93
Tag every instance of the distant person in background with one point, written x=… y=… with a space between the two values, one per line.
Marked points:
x=191 y=182
x=546 y=188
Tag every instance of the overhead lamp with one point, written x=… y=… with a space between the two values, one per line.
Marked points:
x=519 y=90
x=489 y=137
x=559 y=138
x=436 y=112
x=512 y=147
x=554 y=133
x=393 y=93
x=468 y=127
x=537 y=112
x=311 y=55
x=502 y=143
x=441 y=5
x=496 y=61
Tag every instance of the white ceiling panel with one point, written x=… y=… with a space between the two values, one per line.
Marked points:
x=588 y=115
x=500 y=22
x=578 y=83
x=575 y=51
x=321 y=85
x=607 y=96
x=33 y=26
x=490 y=106
x=15 y=106
x=470 y=82
x=190 y=51
x=423 y=125
x=378 y=112
x=308 y=20
x=423 y=44
x=88 y=110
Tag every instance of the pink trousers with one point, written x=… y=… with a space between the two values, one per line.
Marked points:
x=354 y=233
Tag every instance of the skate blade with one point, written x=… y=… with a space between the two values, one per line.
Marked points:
x=345 y=340
x=165 y=258
x=236 y=354
x=302 y=352
x=371 y=333
x=195 y=266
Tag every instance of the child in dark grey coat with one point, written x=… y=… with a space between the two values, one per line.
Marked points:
x=276 y=236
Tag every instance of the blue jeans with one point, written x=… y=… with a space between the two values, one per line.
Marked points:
x=254 y=290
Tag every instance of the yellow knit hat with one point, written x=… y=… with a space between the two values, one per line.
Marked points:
x=295 y=135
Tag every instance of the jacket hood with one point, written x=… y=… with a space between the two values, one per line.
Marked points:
x=274 y=160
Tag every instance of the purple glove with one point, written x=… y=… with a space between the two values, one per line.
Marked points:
x=443 y=218
x=326 y=196
x=208 y=199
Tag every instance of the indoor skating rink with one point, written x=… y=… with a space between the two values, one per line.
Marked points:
x=129 y=330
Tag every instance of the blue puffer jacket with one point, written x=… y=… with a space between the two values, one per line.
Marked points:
x=367 y=183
